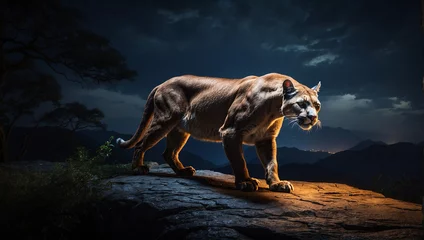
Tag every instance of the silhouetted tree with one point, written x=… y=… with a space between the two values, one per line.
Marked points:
x=43 y=35
x=75 y=116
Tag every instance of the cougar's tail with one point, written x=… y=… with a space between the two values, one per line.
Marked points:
x=144 y=124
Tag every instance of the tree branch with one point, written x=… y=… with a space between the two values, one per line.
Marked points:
x=25 y=49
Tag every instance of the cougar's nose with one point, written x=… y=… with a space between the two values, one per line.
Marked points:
x=313 y=118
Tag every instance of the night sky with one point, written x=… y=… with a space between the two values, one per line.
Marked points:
x=367 y=54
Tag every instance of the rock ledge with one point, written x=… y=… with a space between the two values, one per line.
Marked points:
x=163 y=206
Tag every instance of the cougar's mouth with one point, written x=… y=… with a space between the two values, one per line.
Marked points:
x=305 y=126
x=305 y=123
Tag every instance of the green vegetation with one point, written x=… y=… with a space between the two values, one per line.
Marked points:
x=51 y=202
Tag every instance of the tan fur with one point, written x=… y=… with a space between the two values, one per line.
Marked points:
x=232 y=111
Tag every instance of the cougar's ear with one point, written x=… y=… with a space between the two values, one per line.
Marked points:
x=317 y=87
x=288 y=89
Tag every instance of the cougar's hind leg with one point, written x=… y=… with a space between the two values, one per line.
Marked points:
x=175 y=141
x=157 y=131
x=169 y=109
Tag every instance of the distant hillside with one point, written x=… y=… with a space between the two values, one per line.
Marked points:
x=365 y=144
x=57 y=144
x=327 y=139
x=391 y=161
x=287 y=155
x=396 y=169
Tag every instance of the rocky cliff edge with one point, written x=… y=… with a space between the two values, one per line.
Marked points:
x=163 y=206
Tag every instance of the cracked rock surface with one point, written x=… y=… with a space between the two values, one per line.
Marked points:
x=207 y=206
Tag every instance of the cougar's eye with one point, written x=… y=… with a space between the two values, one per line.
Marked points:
x=317 y=106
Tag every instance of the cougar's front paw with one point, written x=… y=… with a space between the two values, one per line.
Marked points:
x=248 y=185
x=141 y=170
x=187 y=171
x=281 y=186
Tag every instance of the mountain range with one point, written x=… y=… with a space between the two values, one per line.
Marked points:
x=327 y=139
x=287 y=155
x=365 y=144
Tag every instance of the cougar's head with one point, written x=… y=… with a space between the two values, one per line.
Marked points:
x=301 y=104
